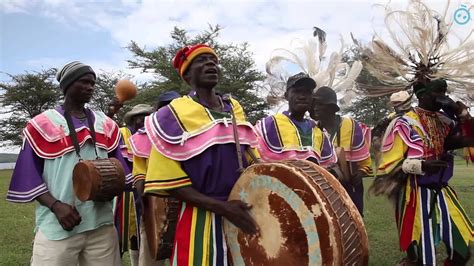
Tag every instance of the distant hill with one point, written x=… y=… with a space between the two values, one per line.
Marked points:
x=8 y=157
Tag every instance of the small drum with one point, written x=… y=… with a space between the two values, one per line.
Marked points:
x=304 y=215
x=160 y=216
x=98 y=180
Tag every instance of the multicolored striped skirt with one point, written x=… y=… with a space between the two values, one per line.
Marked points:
x=199 y=238
x=426 y=217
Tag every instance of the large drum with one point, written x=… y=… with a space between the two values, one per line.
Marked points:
x=99 y=180
x=304 y=215
x=160 y=216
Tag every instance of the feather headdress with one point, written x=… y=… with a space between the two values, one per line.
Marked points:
x=308 y=56
x=421 y=46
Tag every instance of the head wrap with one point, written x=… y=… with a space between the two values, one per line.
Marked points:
x=185 y=56
x=71 y=72
x=422 y=87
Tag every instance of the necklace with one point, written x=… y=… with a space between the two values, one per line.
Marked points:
x=436 y=133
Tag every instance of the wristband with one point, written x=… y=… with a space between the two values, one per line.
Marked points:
x=412 y=166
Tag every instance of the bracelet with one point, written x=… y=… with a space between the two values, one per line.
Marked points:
x=52 y=205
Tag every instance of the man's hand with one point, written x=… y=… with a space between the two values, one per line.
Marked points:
x=67 y=215
x=448 y=105
x=433 y=166
x=114 y=107
x=237 y=212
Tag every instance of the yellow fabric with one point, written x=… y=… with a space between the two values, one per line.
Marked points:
x=391 y=158
x=290 y=137
x=463 y=225
x=396 y=154
x=418 y=225
x=132 y=228
x=140 y=165
x=195 y=118
x=347 y=131
x=164 y=174
x=249 y=157
x=415 y=117
x=346 y=134
x=126 y=134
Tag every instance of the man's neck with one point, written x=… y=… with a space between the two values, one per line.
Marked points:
x=425 y=108
x=330 y=122
x=73 y=107
x=296 y=116
x=209 y=97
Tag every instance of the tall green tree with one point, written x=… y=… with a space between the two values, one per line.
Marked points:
x=369 y=110
x=23 y=97
x=238 y=73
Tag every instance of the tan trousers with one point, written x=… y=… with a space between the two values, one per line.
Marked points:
x=98 y=247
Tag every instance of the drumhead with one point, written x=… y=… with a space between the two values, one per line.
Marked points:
x=298 y=225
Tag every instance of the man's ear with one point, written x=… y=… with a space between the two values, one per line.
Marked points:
x=186 y=76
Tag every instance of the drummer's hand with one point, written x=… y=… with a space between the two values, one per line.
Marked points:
x=67 y=215
x=236 y=212
x=114 y=107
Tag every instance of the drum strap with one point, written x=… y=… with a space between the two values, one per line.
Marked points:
x=73 y=134
x=237 y=140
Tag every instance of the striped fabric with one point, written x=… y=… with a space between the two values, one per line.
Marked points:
x=125 y=147
x=355 y=138
x=199 y=238
x=448 y=222
x=126 y=221
x=424 y=215
x=280 y=139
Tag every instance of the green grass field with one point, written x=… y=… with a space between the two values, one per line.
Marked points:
x=18 y=221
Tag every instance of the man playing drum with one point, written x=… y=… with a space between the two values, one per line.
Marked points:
x=351 y=137
x=68 y=231
x=141 y=147
x=195 y=159
x=290 y=135
x=127 y=208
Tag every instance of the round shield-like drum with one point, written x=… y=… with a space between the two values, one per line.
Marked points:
x=304 y=215
x=99 y=180
x=160 y=216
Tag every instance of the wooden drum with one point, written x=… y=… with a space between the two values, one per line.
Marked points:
x=98 y=180
x=160 y=216
x=304 y=215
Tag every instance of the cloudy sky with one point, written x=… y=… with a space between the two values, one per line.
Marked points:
x=49 y=33
x=37 y=35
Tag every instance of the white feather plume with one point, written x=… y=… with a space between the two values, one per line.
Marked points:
x=308 y=56
x=419 y=50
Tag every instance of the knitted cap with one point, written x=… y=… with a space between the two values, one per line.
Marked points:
x=71 y=72
x=185 y=56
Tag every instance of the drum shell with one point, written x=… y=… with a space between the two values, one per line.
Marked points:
x=98 y=180
x=160 y=217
